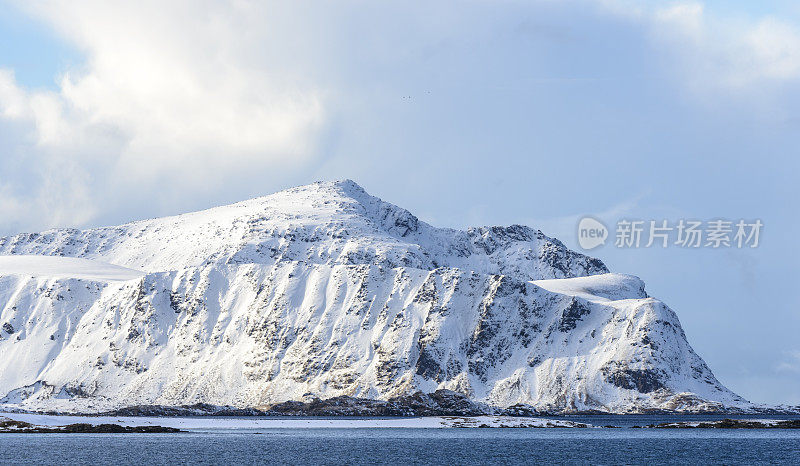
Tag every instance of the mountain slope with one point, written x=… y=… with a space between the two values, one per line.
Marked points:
x=324 y=291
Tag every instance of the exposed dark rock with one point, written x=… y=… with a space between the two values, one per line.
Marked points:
x=10 y=426
x=199 y=409
x=427 y=366
x=731 y=424
x=641 y=380
x=572 y=314
x=438 y=403
x=6 y=424
x=520 y=410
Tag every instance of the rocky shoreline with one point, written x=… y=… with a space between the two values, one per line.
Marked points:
x=731 y=424
x=28 y=423
x=10 y=426
x=438 y=403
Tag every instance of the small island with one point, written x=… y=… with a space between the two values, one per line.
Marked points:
x=10 y=426
x=732 y=424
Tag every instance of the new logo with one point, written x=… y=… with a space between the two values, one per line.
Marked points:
x=591 y=233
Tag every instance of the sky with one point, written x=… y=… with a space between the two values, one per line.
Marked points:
x=466 y=113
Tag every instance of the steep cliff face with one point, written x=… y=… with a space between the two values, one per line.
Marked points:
x=325 y=291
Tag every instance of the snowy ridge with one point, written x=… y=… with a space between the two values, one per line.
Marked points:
x=324 y=291
x=65 y=267
x=322 y=223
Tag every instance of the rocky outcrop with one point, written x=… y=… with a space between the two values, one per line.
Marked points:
x=10 y=426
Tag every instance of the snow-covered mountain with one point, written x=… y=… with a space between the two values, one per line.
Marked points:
x=324 y=291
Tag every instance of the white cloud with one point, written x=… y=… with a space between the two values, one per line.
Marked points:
x=181 y=97
x=715 y=52
x=687 y=16
x=176 y=78
x=166 y=88
x=774 y=49
x=12 y=98
x=791 y=363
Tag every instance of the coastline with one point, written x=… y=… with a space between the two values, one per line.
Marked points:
x=229 y=423
x=252 y=423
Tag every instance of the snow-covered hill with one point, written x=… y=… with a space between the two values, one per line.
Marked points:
x=324 y=290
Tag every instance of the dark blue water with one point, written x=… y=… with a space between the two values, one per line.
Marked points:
x=413 y=446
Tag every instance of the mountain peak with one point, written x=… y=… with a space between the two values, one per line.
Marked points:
x=326 y=189
x=329 y=222
x=347 y=185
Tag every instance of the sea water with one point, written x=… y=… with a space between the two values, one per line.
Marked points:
x=416 y=446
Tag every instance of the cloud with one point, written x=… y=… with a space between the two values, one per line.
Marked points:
x=168 y=93
x=178 y=100
x=774 y=50
x=718 y=52
x=711 y=51
x=791 y=363
x=178 y=80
